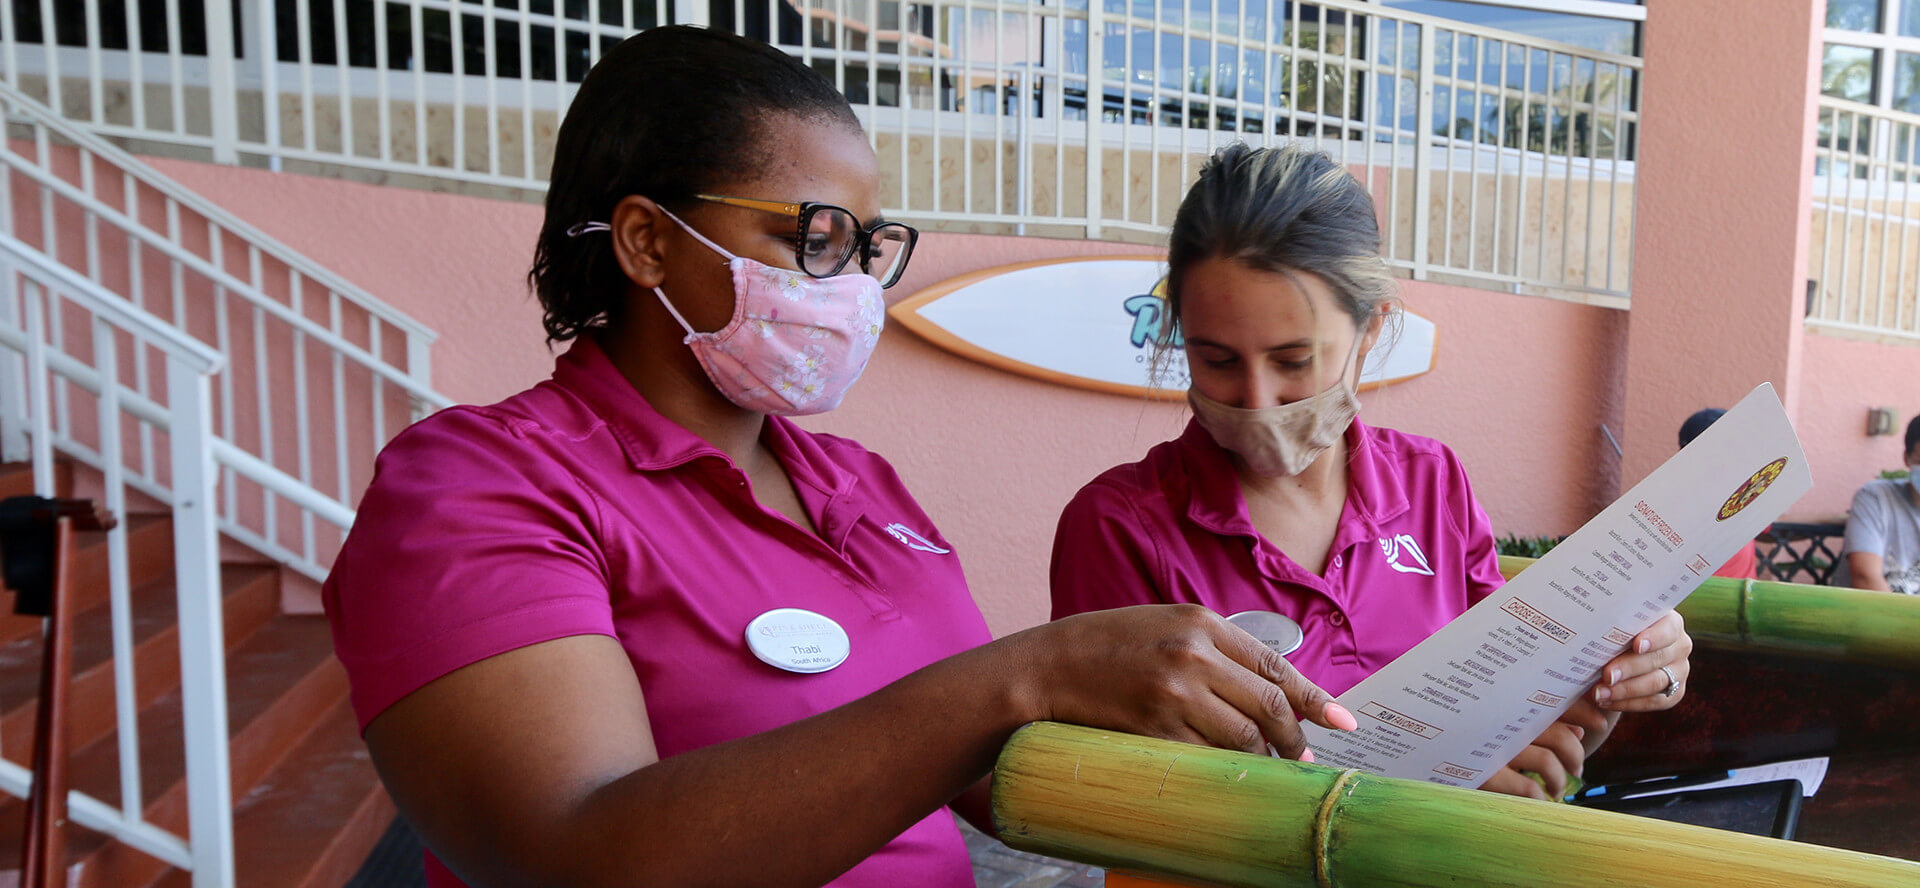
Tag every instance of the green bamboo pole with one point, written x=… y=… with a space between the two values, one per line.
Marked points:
x=1854 y=625
x=1209 y=816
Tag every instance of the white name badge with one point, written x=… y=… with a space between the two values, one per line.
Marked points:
x=798 y=640
x=1276 y=631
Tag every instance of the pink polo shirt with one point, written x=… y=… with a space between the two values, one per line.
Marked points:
x=574 y=508
x=1413 y=549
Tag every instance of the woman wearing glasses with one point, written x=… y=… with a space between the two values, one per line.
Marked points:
x=635 y=627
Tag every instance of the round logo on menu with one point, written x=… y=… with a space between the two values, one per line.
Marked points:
x=1752 y=489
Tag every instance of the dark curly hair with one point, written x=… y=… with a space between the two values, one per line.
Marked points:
x=668 y=113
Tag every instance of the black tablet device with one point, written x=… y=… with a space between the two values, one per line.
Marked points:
x=1761 y=809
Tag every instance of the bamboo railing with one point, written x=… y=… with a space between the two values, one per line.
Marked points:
x=1853 y=625
x=1210 y=816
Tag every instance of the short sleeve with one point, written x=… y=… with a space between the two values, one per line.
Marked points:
x=471 y=542
x=1103 y=556
x=1744 y=565
x=1480 y=556
x=1867 y=522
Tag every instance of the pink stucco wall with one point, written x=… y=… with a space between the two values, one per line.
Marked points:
x=1721 y=232
x=1521 y=385
x=1840 y=381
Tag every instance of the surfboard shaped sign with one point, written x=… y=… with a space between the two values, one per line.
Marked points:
x=1092 y=323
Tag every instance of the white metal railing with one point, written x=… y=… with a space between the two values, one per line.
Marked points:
x=319 y=373
x=1865 y=256
x=188 y=358
x=1493 y=156
x=62 y=341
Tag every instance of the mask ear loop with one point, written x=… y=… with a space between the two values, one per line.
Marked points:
x=698 y=236
x=591 y=227
x=581 y=228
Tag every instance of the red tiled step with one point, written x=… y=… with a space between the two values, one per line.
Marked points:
x=252 y=595
x=312 y=820
x=149 y=558
x=16 y=479
x=280 y=682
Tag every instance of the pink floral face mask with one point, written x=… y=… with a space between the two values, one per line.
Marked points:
x=796 y=342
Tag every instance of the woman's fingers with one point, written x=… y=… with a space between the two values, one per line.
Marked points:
x=1637 y=675
x=1589 y=717
x=1664 y=632
x=1508 y=781
x=1562 y=740
x=1180 y=672
x=1260 y=709
x=1647 y=693
x=1224 y=724
x=1299 y=694
x=1639 y=662
x=1542 y=761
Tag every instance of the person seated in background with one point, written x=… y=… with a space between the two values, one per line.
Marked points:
x=1882 y=548
x=1744 y=565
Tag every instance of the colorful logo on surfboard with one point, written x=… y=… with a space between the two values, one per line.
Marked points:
x=1752 y=489
x=1094 y=323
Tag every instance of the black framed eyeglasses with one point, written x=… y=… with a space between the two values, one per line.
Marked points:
x=828 y=237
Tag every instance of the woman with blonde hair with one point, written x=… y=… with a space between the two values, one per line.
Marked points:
x=1277 y=498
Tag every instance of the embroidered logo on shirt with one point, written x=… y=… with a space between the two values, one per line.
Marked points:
x=1404 y=555
x=912 y=540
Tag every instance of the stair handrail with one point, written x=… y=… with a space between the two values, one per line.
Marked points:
x=330 y=323
x=119 y=311
x=17 y=102
x=47 y=287
x=203 y=359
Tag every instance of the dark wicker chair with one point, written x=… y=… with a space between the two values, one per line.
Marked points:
x=1800 y=553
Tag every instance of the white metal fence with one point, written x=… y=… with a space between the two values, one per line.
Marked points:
x=319 y=375
x=186 y=358
x=1496 y=157
x=63 y=341
x=1865 y=257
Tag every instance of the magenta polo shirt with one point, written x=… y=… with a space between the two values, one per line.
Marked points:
x=1412 y=551
x=574 y=508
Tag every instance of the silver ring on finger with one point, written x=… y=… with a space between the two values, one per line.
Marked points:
x=1673 y=684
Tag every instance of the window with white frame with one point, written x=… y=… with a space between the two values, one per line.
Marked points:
x=1605 y=25
x=1871 y=53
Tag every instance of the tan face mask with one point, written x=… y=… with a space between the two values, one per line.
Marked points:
x=1281 y=441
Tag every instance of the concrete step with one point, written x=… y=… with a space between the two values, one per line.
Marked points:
x=251 y=599
x=312 y=820
x=281 y=682
x=149 y=558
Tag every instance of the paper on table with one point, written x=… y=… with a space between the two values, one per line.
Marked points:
x=1464 y=702
x=1810 y=772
